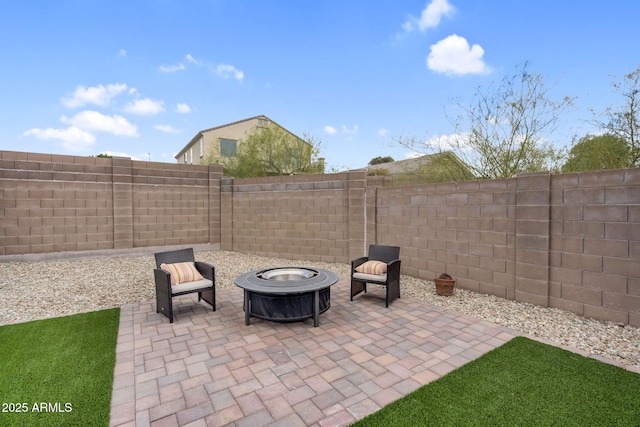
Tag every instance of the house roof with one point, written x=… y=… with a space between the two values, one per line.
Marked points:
x=420 y=164
x=199 y=134
x=402 y=166
x=235 y=123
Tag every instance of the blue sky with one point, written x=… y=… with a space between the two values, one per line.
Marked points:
x=141 y=78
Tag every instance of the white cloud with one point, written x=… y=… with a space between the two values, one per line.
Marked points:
x=192 y=59
x=145 y=107
x=350 y=131
x=413 y=155
x=430 y=17
x=167 y=129
x=95 y=121
x=118 y=154
x=227 y=71
x=454 y=56
x=172 y=68
x=330 y=130
x=73 y=137
x=454 y=141
x=383 y=132
x=408 y=25
x=122 y=53
x=183 y=108
x=99 y=95
x=457 y=142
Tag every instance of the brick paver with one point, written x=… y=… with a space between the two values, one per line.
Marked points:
x=209 y=368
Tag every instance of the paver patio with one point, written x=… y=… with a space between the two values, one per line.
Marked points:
x=209 y=369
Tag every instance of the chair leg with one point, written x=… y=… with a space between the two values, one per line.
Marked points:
x=213 y=299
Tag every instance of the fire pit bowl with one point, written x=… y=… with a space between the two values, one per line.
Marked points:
x=287 y=274
x=286 y=294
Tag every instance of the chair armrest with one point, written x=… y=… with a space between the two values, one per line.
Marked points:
x=162 y=278
x=359 y=261
x=207 y=270
x=393 y=269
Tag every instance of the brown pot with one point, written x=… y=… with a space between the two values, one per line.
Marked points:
x=444 y=286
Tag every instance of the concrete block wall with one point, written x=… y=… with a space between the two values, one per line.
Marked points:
x=570 y=241
x=312 y=217
x=51 y=203
x=466 y=230
x=595 y=244
x=532 y=238
x=54 y=203
x=175 y=204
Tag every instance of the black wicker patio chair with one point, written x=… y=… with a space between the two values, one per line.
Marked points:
x=177 y=267
x=380 y=267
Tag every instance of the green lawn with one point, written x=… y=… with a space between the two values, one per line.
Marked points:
x=522 y=383
x=58 y=372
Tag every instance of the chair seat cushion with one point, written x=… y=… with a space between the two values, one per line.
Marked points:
x=370 y=277
x=191 y=286
x=372 y=267
x=182 y=272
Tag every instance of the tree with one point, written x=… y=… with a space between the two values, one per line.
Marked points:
x=598 y=153
x=379 y=160
x=104 y=155
x=272 y=151
x=503 y=132
x=624 y=121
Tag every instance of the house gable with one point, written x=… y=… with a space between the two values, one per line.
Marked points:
x=208 y=142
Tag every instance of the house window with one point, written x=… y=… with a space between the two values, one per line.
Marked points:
x=191 y=155
x=263 y=123
x=201 y=147
x=185 y=158
x=228 y=147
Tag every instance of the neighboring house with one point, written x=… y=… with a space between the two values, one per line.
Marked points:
x=220 y=141
x=400 y=166
x=440 y=167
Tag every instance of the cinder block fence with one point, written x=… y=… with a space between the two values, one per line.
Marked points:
x=570 y=241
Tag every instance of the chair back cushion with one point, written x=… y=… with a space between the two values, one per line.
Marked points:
x=384 y=253
x=372 y=267
x=182 y=272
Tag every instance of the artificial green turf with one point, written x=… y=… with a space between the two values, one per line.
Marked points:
x=58 y=372
x=522 y=383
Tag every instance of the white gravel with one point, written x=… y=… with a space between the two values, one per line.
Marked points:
x=35 y=290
